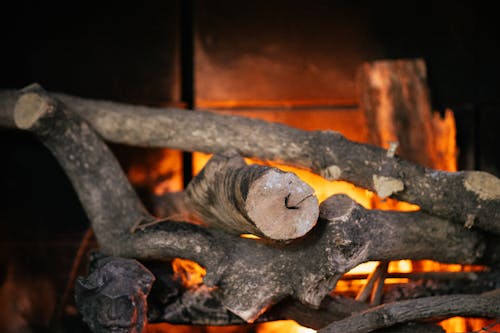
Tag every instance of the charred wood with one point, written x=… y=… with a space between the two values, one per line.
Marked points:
x=112 y=278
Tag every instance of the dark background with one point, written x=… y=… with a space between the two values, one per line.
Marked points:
x=142 y=52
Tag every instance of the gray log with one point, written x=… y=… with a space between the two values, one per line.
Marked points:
x=252 y=199
x=470 y=197
x=429 y=307
x=250 y=275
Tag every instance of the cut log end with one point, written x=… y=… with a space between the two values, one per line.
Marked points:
x=336 y=207
x=29 y=108
x=281 y=205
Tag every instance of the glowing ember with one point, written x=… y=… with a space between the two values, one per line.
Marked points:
x=159 y=171
x=190 y=273
x=281 y=326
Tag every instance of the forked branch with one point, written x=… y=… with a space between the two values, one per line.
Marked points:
x=250 y=275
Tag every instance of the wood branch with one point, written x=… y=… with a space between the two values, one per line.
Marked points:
x=250 y=275
x=201 y=306
x=170 y=302
x=469 y=197
x=423 y=308
x=413 y=327
x=253 y=199
x=378 y=289
x=173 y=206
x=396 y=102
x=431 y=285
x=365 y=292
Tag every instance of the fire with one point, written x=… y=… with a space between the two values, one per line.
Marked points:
x=323 y=188
x=281 y=326
x=188 y=272
x=164 y=174
x=160 y=171
x=445 y=148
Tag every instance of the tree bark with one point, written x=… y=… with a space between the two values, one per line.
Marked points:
x=169 y=301
x=470 y=197
x=250 y=275
x=253 y=199
x=423 y=308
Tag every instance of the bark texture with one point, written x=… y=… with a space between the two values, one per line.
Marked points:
x=253 y=199
x=472 y=198
x=250 y=275
x=429 y=307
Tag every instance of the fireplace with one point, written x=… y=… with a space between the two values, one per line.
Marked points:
x=294 y=63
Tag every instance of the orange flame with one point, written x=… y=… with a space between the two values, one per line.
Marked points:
x=350 y=122
x=188 y=272
x=158 y=170
x=281 y=326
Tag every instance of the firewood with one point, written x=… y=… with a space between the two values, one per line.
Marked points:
x=471 y=198
x=422 y=308
x=250 y=275
x=252 y=199
x=396 y=102
x=169 y=301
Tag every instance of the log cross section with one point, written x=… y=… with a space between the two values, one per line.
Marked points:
x=254 y=199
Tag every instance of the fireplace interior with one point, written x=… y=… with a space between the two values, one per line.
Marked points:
x=293 y=62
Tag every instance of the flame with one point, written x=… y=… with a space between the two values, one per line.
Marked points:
x=351 y=123
x=158 y=170
x=281 y=326
x=188 y=272
x=323 y=188
x=445 y=147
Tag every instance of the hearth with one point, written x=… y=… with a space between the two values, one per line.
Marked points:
x=317 y=67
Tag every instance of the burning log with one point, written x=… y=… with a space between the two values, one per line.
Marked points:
x=250 y=275
x=254 y=199
x=469 y=197
x=113 y=297
x=246 y=199
x=169 y=301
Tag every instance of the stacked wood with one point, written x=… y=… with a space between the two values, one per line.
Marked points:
x=252 y=275
x=471 y=198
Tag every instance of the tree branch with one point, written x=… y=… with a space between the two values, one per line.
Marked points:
x=422 y=308
x=252 y=199
x=469 y=197
x=250 y=275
